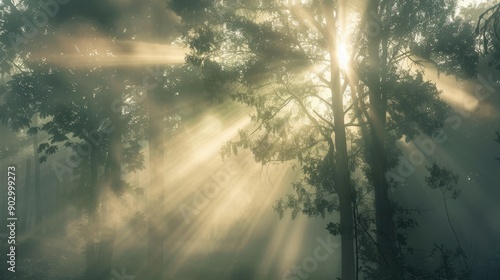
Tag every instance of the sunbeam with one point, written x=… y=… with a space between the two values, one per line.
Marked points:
x=249 y=139
x=92 y=52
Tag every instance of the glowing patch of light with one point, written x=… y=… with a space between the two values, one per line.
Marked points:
x=342 y=56
x=100 y=51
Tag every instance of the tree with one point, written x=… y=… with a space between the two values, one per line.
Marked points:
x=271 y=55
x=14 y=145
x=282 y=60
x=487 y=26
x=70 y=103
x=400 y=101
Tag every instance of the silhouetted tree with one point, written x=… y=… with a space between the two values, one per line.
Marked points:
x=282 y=59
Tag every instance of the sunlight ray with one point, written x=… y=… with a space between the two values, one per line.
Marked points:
x=81 y=52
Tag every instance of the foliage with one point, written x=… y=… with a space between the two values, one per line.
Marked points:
x=275 y=58
x=487 y=29
x=443 y=179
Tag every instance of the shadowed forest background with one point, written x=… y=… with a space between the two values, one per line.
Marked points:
x=250 y=139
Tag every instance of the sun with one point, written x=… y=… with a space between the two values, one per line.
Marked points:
x=342 y=56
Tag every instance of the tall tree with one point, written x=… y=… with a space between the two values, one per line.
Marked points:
x=77 y=102
x=487 y=28
x=282 y=60
x=38 y=192
x=156 y=108
x=156 y=141
x=70 y=105
x=402 y=102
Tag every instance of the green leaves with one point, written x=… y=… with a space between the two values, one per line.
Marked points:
x=42 y=147
x=312 y=202
x=452 y=49
x=192 y=9
x=133 y=157
x=51 y=150
x=290 y=203
x=441 y=178
x=487 y=28
x=202 y=40
x=414 y=106
x=334 y=228
x=47 y=149
x=33 y=130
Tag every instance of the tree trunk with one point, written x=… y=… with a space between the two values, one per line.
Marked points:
x=94 y=192
x=156 y=141
x=342 y=175
x=26 y=221
x=156 y=187
x=343 y=188
x=106 y=247
x=62 y=210
x=38 y=195
x=378 y=153
x=383 y=213
x=92 y=211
